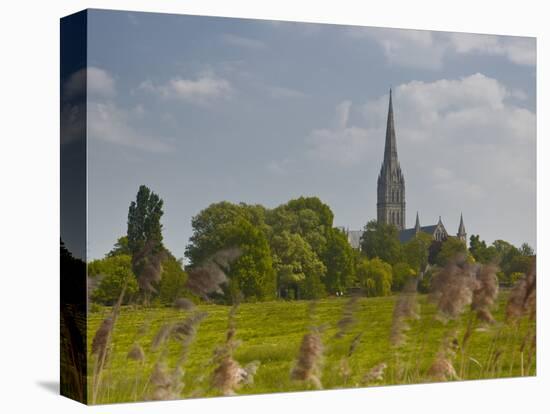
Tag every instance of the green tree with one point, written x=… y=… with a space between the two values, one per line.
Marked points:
x=306 y=216
x=451 y=248
x=210 y=228
x=520 y=264
x=111 y=275
x=480 y=251
x=381 y=240
x=375 y=276
x=340 y=262
x=120 y=247
x=173 y=280
x=416 y=251
x=252 y=274
x=226 y=225
x=526 y=250
x=506 y=252
x=401 y=274
x=299 y=270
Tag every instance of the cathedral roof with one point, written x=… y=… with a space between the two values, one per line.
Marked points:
x=354 y=236
x=407 y=234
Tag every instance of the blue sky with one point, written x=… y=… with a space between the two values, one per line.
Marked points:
x=205 y=109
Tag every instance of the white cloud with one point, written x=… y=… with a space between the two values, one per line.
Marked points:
x=346 y=146
x=110 y=123
x=205 y=89
x=343 y=145
x=99 y=83
x=81 y=86
x=241 y=41
x=410 y=48
x=428 y=49
x=519 y=50
x=106 y=120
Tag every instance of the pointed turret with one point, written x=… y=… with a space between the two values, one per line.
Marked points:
x=417 y=225
x=461 y=229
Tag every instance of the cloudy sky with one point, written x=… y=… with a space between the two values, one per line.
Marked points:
x=207 y=109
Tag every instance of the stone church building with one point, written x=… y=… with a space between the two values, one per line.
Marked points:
x=391 y=205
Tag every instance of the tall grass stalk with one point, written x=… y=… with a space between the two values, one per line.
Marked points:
x=102 y=342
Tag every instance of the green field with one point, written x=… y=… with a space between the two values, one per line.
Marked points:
x=271 y=333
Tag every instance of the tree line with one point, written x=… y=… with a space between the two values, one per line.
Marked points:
x=292 y=251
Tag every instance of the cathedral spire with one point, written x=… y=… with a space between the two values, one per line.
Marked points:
x=390 y=150
x=461 y=229
x=417 y=225
x=391 y=183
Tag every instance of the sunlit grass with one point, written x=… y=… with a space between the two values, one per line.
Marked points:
x=271 y=332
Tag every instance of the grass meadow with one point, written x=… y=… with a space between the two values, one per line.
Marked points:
x=355 y=353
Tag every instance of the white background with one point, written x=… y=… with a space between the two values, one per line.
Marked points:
x=29 y=206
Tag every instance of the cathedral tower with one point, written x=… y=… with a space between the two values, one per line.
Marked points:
x=391 y=183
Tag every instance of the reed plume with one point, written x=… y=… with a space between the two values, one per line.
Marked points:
x=147 y=266
x=523 y=297
x=101 y=338
x=308 y=364
x=136 y=353
x=162 y=336
x=165 y=386
x=102 y=342
x=187 y=329
x=522 y=304
x=375 y=374
x=442 y=368
x=485 y=292
x=406 y=307
x=453 y=287
x=348 y=316
x=183 y=304
x=211 y=275
x=229 y=375
x=167 y=383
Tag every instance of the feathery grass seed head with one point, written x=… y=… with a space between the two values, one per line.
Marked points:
x=101 y=337
x=136 y=353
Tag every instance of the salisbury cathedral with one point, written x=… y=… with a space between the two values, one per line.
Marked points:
x=391 y=205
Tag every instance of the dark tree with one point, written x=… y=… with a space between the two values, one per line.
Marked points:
x=145 y=239
x=144 y=217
